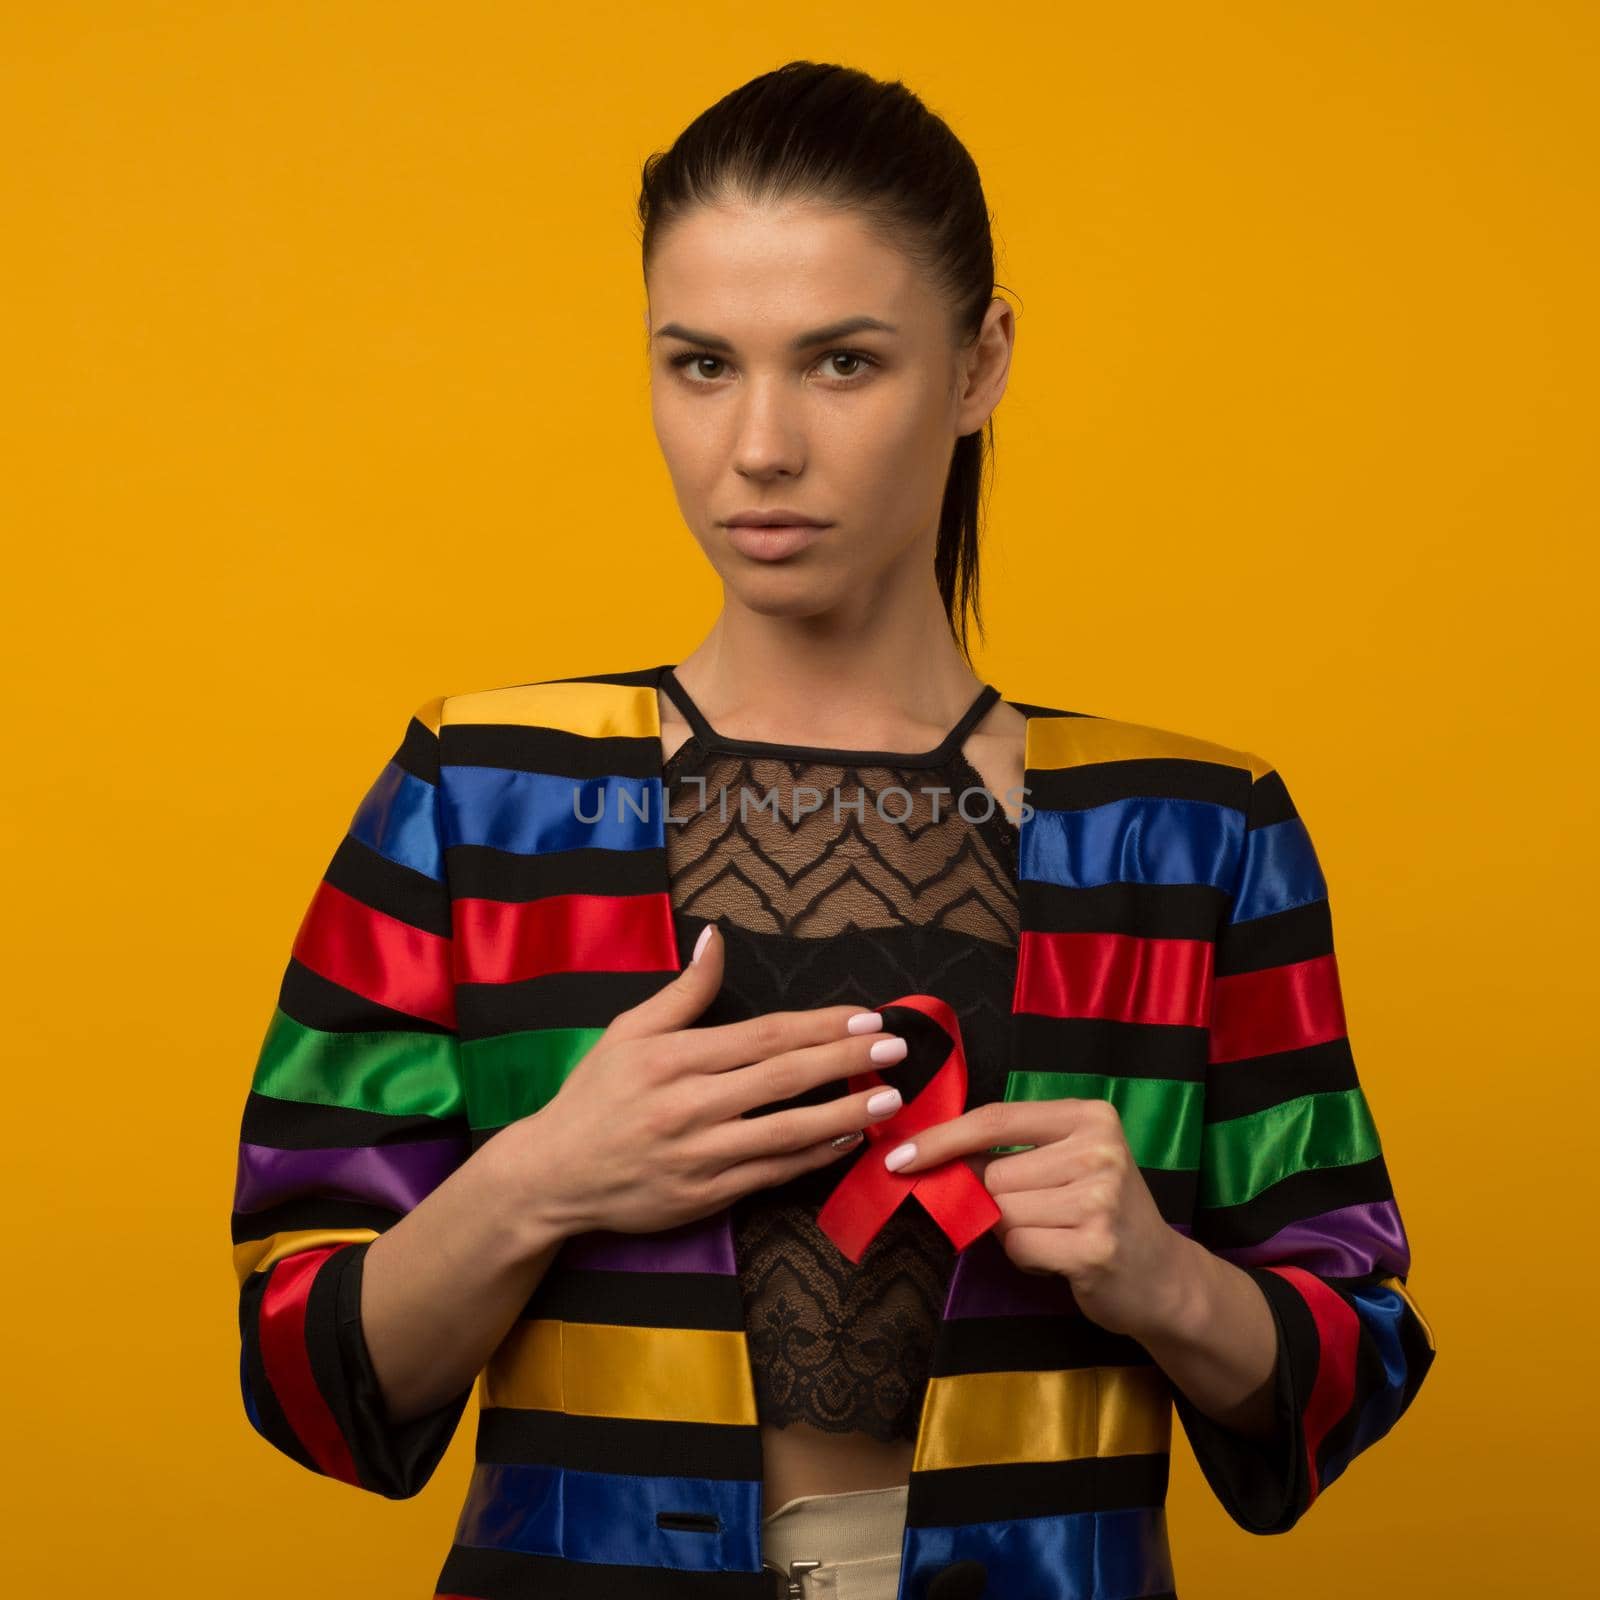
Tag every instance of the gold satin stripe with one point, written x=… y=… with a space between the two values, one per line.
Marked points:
x=256 y=1255
x=1082 y=741
x=1416 y=1310
x=602 y=1370
x=986 y=1419
x=428 y=713
x=595 y=710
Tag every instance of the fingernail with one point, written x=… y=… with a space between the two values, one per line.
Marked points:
x=898 y=1157
x=883 y=1102
x=700 y=943
x=864 y=1022
x=888 y=1050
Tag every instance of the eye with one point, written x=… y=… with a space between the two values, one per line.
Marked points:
x=697 y=359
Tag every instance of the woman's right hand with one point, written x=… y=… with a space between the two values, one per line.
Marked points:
x=648 y=1130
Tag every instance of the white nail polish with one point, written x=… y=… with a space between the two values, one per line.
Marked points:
x=898 y=1157
x=883 y=1102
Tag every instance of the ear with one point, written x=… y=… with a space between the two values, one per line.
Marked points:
x=987 y=367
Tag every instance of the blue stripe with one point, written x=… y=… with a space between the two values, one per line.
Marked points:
x=1383 y=1313
x=610 y=1518
x=529 y=813
x=1090 y=1555
x=397 y=820
x=1133 y=841
x=1279 y=871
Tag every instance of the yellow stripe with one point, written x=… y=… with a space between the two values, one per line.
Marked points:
x=984 y=1419
x=1416 y=1310
x=256 y=1255
x=601 y=1370
x=428 y=713
x=1082 y=741
x=595 y=710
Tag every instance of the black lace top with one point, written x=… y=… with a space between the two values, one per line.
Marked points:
x=845 y=876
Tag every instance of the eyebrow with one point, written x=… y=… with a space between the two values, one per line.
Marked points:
x=805 y=341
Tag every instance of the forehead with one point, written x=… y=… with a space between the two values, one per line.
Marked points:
x=777 y=265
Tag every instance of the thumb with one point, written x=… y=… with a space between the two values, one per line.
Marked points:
x=676 y=1004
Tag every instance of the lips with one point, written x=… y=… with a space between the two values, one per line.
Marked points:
x=773 y=542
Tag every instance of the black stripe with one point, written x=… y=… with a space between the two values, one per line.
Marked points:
x=514 y=747
x=419 y=752
x=1297 y=934
x=517 y=1437
x=1241 y=1088
x=1041 y=1343
x=310 y=1211
x=1098 y=783
x=1030 y=709
x=1140 y=910
x=1269 y=801
x=959 y=1495
x=306 y=1125
x=316 y=1002
x=510 y=1575
x=552 y=1000
x=701 y=1300
x=1173 y=1192
x=1299 y=1196
x=479 y=872
x=387 y=886
x=1102 y=1045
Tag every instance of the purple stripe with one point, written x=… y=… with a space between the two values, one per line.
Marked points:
x=705 y=1245
x=1348 y=1243
x=393 y=1175
x=987 y=1283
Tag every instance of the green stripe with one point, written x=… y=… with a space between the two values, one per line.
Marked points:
x=515 y=1074
x=395 y=1073
x=1245 y=1155
x=1161 y=1117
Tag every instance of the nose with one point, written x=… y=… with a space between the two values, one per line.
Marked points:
x=771 y=439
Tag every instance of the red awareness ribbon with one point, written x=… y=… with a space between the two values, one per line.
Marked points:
x=951 y=1192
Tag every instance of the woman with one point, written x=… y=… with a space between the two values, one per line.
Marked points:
x=678 y=1124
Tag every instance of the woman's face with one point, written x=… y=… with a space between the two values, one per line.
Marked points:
x=763 y=399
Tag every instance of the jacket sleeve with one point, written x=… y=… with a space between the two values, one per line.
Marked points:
x=1293 y=1186
x=354 y=1113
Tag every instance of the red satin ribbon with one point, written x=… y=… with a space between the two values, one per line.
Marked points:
x=951 y=1193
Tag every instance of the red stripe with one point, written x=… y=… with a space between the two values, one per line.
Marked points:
x=1277 y=1008
x=1116 y=976
x=507 y=941
x=1338 y=1335
x=282 y=1330
x=377 y=956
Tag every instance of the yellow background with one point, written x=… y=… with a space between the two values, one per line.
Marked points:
x=325 y=394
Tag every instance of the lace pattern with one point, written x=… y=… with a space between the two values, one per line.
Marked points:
x=877 y=886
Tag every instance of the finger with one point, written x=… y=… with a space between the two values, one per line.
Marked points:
x=1068 y=1206
x=1062 y=1161
x=769 y=1033
x=679 y=1001
x=1001 y=1125
x=780 y=1135
x=809 y=1077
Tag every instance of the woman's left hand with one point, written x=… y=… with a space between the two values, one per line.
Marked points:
x=1076 y=1204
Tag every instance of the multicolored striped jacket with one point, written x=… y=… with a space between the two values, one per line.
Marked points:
x=474 y=933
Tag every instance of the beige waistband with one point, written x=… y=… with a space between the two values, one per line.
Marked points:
x=855 y=1536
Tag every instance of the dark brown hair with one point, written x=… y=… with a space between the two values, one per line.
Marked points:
x=820 y=132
